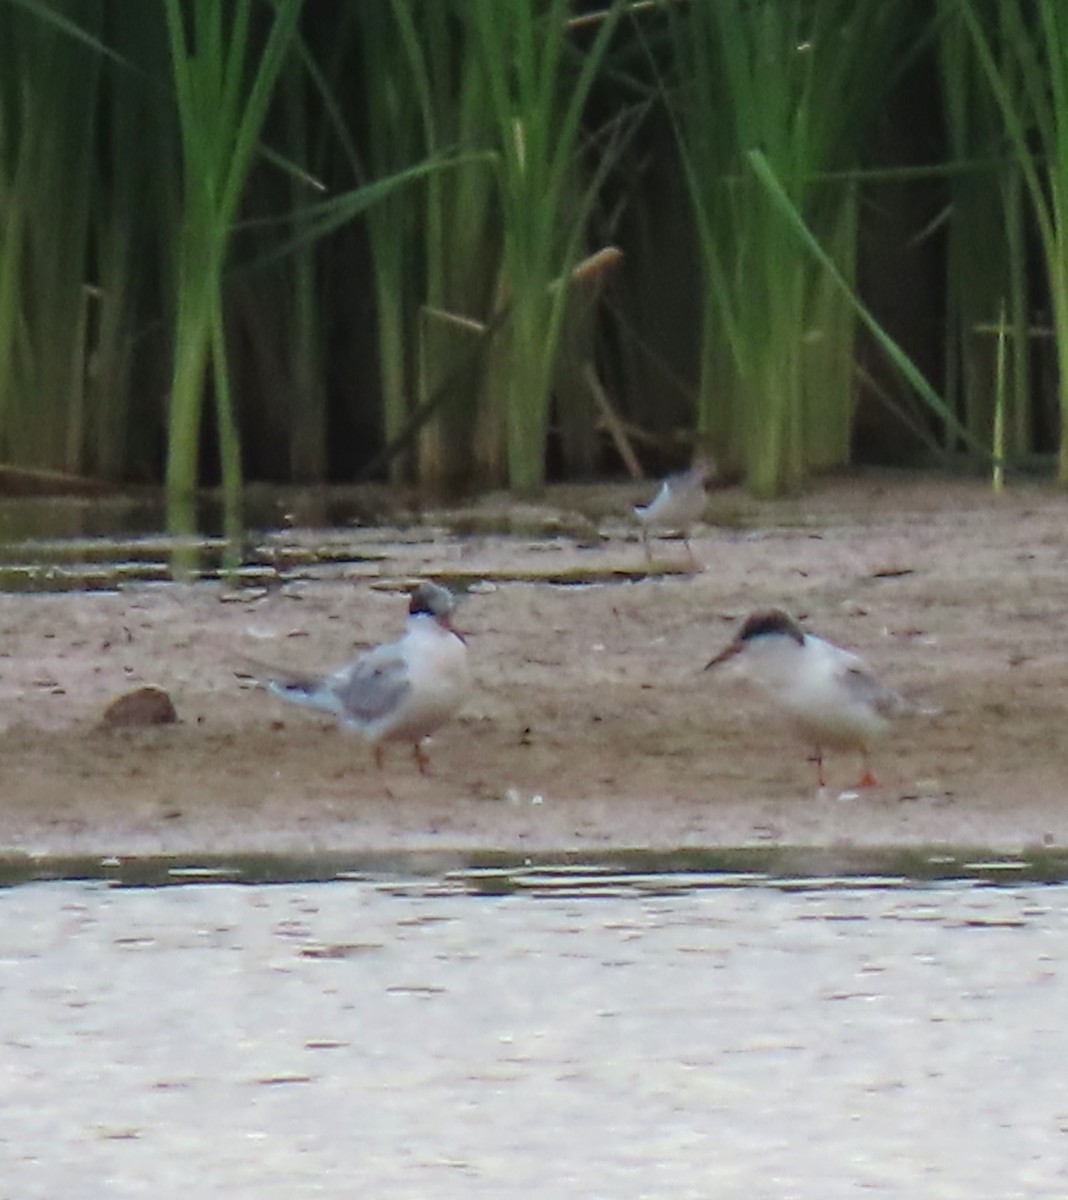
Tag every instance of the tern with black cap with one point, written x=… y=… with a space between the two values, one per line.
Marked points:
x=400 y=691
x=828 y=695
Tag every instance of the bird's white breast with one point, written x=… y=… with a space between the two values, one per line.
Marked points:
x=439 y=681
x=811 y=683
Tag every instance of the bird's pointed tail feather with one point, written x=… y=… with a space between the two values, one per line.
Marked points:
x=299 y=687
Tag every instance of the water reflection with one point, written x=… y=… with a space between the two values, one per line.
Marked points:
x=68 y=543
x=277 y=534
x=370 y=1038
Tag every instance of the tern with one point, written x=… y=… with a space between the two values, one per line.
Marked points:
x=828 y=694
x=400 y=691
x=678 y=505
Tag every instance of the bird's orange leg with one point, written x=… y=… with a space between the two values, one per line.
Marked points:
x=867 y=779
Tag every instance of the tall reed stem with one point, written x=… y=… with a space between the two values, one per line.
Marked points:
x=223 y=82
x=769 y=76
x=537 y=87
x=1034 y=44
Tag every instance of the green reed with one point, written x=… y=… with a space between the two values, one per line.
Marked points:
x=223 y=83
x=537 y=87
x=1025 y=60
x=48 y=93
x=776 y=353
x=457 y=238
x=134 y=198
x=364 y=233
x=986 y=253
x=388 y=51
x=794 y=220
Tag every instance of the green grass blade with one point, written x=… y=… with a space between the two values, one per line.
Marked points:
x=783 y=204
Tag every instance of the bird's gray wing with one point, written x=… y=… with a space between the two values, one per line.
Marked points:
x=866 y=689
x=681 y=501
x=374 y=685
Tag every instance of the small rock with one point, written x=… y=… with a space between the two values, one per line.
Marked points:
x=142 y=706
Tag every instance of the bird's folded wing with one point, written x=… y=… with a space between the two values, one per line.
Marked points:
x=866 y=689
x=652 y=510
x=374 y=685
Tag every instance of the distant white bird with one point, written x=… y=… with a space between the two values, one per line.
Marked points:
x=400 y=691
x=828 y=695
x=677 y=506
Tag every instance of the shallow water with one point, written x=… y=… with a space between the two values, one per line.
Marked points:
x=397 y=1038
x=103 y=542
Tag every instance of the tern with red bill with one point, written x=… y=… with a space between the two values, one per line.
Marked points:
x=400 y=691
x=828 y=695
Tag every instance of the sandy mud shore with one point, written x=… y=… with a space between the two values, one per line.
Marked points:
x=591 y=725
